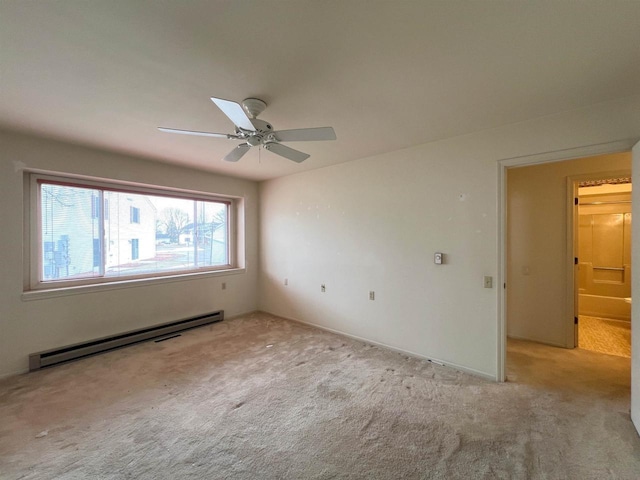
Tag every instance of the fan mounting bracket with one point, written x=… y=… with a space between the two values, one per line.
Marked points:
x=253 y=106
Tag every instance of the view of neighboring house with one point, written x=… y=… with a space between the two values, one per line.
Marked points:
x=74 y=221
x=130 y=229
x=89 y=232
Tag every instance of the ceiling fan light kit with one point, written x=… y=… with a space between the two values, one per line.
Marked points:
x=256 y=132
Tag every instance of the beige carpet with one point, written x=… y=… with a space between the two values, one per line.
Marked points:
x=263 y=398
x=603 y=335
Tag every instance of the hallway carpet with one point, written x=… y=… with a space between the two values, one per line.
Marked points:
x=259 y=397
x=603 y=335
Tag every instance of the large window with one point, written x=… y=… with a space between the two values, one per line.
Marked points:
x=93 y=232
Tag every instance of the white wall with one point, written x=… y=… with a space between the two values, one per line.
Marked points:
x=374 y=224
x=30 y=326
x=537 y=240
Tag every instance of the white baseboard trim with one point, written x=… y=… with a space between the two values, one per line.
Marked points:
x=436 y=361
x=238 y=315
x=13 y=374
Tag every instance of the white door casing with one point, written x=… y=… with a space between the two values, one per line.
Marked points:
x=635 y=291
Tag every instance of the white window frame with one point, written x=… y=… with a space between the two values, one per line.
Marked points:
x=34 y=287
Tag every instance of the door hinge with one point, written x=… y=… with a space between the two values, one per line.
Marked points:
x=575 y=260
x=575 y=201
x=575 y=320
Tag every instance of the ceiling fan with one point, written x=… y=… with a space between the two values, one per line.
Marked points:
x=257 y=132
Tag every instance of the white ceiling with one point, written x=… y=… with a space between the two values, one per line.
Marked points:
x=385 y=74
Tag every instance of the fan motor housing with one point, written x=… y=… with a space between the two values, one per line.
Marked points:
x=263 y=129
x=261 y=126
x=254 y=140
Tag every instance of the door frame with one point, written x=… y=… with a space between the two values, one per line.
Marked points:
x=617 y=146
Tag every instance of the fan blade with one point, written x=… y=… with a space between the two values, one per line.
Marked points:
x=235 y=112
x=306 y=134
x=286 y=152
x=193 y=132
x=237 y=153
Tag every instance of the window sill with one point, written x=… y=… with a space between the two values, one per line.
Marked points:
x=120 y=284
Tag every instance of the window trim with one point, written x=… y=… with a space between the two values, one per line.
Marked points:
x=34 y=287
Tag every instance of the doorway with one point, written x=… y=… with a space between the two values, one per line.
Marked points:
x=602 y=281
x=505 y=275
x=541 y=304
x=540 y=300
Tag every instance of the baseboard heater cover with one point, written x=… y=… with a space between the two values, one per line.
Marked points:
x=55 y=356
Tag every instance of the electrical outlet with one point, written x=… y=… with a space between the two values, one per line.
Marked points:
x=286 y=282
x=372 y=295
x=323 y=288
x=224 y=285
x=488 y=282
x=438 y=258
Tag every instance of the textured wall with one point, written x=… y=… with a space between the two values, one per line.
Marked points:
x=375 y=223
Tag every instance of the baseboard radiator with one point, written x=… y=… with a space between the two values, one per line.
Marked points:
x=55 y=356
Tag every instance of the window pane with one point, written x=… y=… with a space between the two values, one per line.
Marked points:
x=129 y=230
x=69 y=229
x=174 y=235
x=212 y=234
x=141 y=234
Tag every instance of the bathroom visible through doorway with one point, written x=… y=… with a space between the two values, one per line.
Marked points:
x=603 y=262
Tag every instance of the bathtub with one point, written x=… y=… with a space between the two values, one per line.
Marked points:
x=605 y=307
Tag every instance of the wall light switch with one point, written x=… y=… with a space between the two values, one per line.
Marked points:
x=488 y=282
x=323 y=288
x=438 y=258
x=372 y=295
